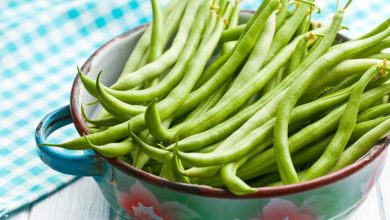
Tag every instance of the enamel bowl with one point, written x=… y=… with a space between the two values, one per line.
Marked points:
x=136 y=194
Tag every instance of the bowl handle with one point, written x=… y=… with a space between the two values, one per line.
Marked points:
x=88 y=164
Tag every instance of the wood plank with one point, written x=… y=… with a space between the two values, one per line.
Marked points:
x=79 y=201
x=22 y=214
x=371 y=208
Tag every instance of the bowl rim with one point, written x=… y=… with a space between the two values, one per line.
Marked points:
x=203 y=190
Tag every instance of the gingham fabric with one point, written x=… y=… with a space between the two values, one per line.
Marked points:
x=42 y=42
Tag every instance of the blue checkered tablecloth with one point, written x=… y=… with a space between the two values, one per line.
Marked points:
x=42 y=42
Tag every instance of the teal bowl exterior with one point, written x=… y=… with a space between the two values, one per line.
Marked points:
x=135 y=194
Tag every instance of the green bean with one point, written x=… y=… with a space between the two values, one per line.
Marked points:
x=238 y=94
x=199 y=94
x=113 y=150
x=165 y=106
x=345 y=83
x=170 y=172
x=295 y=92
x=102 y=113
x=223 y=129
x=200 y=172
x=211 y=23
x=233 y=22
x=336 y=74
x=362 y=146
x=209 y=103
x=252 y=18
x=196 y=96
x=209 y=148
x=381 y=27
x=256 y=57
x=221 y=155
x=241 y=30
x=286 y=32
x=156 y=154
x=174 y=75
x=378 y=81
x=251 y=100
x=137 y=54
x=195 y=70
x=232 y=34
x=166 y=171
x=151 y=116
x=235 y=185
x=143 y=43
x=305 y=24
x=95 y=130
x=299 y=157
x=363 y=127
x=380 y=56
x=171 y=25
x=213 y=68
x=239 y=187
x=311 y=152
x=309 y=134
x=177 y=167
x=307 y=21
x=115 y=106
x=312 y=44
x=264 y=180
x=173 y=168
x=141 y=64
x=114 y=114
x=238 y=145
x=375 y=112
x=111 y=134
x=282 y=13
x=106 y=121
x=179 y=93
x=156 y=47
x=229 y=170
x=375 y=49
x=274 y=81
x=244 y=46
x=224 y=10
x=152 y=70
x=120 y=131
x=280 y=183
x=141 y=159
x=138 y=122
x=296 y=59
x=345 y=128
x=227 y=69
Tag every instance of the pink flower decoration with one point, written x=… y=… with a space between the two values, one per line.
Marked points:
x=141 y=204
x=279 y=209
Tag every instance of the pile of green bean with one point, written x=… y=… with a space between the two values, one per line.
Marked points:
x=208 y=98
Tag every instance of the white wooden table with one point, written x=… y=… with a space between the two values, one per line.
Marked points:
x=82 y=200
